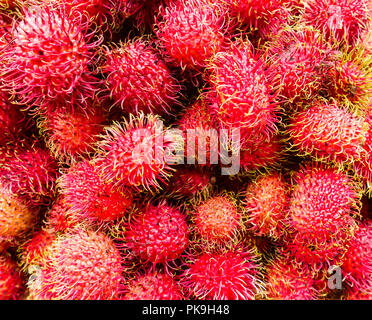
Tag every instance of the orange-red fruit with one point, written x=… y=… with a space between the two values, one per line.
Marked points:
x=29 y=171
x=322 y=209
x=287 y=281
x=217 y=219
x=11 y=282
x=190 y=32
x=16 y=217
x=91 y=197
x=58 y=218
x=239 y=95
x=153 y=286
x=137 y=79
x=49 y=57
x=266 y=203
x=81 y=265
x=135 y=152
x=357 y=265
x=231 y=275
x=70 y=134
x=157 y=234
x=329 y=132
x=296 y=59
x=342 y=20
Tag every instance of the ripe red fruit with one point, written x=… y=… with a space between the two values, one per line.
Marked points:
x=135 y=152
x=80 y=265
x=71 y=135
x=138 y=80
x=58 y=218
x=11 y=282
x=287 y=281
x=296 y=58
x=328 y=132
x=16 y=217
x=157 y=234
x=29 y=171
x=323 y=205
x=153 y=286
x=266 y=203
x=200 y=134
x=90 y=197
x=231 y=275
x=190 y=32
x=217 y=219
x=239 y=95
x=48 y=58
x=357 y=264
x=342 y=20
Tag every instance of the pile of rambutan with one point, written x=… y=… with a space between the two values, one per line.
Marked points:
x=185 y=150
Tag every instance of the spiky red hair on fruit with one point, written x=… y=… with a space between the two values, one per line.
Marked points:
x=11 y=281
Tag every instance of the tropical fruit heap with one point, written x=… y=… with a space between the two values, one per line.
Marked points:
x=185 y=149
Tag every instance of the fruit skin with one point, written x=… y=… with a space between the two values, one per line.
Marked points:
x=153 y=285
x=90 y=197
x=240 y=96
x=48 y=59
x=16 y=217
x=328 y=132
x=230 y=275
x=135 y=152
x=323 y=205
x=297 y=57
x=58 y=217
x=70 y=135
x=30 y=171
x=357 y=264
x=217 y=219
x=266 y=205
x=81 y=265
x=287 y=281
x=137 y=79
x=342 y=20
x=190 y=32
x=11 y=281
x=157 y=234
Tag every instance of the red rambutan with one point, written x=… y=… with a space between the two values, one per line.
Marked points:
x=11 y=282
x=157 y=234
x=80 y=265
x=137 y=79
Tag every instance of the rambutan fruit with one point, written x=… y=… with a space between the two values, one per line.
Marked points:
x=11 y=281
x=58 y=217
x=323 y=205
x=359 y=293
x=190 y=32
x=287 y=281
x=90 y=197
x=349 y=79
x=266 y=204
x=240 y=96
x=357 y=262
x=49 y=58
x=217 y=219
x=146 y=11
x=340 y=20
x=137 y=78
x=199 y=129
x=296 y=59
x=29 y=171
x=71 y=135
x=136 y=152
x=80 y=265
x=188 y=182
x=230 y=275
x=157 y=233
x=153 y=286
x=12 y=121
x=16 y=217
x=328 y=132
x=261 y=152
